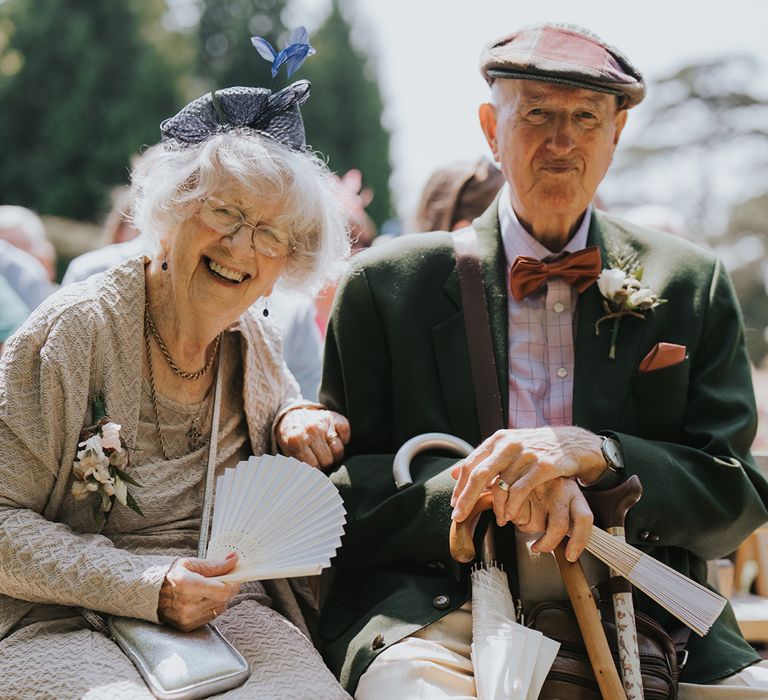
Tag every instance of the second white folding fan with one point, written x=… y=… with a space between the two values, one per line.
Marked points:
x=283 y=518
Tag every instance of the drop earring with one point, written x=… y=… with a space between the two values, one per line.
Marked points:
x=266 y=310
x=164 y=264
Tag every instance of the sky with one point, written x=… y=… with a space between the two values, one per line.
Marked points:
x=425 y=53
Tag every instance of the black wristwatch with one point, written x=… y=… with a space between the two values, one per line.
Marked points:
x=614 y=459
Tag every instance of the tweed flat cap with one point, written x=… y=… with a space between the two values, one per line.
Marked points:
x=564 y=54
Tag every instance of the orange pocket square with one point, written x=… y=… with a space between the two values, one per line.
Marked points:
x=662 y=355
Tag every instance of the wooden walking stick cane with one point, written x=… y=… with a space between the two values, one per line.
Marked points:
x=587 y=615
x=610 y=508
x=591 y=626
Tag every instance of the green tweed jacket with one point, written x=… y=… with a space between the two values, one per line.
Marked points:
x=397 y=365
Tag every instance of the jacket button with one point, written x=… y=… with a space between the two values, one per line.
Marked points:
x=644 y=535
x=378 y=642
x=442 y=602
x=655 y=538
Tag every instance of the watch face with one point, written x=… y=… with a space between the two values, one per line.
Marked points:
x=613 y=454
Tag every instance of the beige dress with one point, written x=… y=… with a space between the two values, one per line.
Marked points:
x=52 y=652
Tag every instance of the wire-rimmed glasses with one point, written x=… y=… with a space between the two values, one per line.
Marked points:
x=228 y=220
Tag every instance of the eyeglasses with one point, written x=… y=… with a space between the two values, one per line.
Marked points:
x=228 y=220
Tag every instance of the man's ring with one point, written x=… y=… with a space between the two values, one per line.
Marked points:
x=331 y=437
x=503 y=485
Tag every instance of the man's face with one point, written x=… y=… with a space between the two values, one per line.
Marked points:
x=554 y=144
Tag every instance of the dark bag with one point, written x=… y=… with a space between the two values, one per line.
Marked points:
x=571 y=677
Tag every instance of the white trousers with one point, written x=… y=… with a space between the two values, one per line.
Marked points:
x=434 y=664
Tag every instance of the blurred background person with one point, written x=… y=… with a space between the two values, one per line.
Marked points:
x=119 y=226
x=362 y=233
x=13 y=312
x=24 y=229
x=123 y=241
x=295 y=317
x=20 y=229
x=356 y=198
x=455 y=194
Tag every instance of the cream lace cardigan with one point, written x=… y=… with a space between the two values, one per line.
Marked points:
x=84 y=339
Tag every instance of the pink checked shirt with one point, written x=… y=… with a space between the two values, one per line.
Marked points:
x=541 y=382
x=540 y=332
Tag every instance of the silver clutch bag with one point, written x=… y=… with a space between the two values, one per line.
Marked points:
x=180 y=665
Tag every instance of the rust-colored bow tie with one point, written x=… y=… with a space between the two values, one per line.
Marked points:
x=579 y=269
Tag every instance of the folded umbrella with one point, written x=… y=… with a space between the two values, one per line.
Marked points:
x=510 y=661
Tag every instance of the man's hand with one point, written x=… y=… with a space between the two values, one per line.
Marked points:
x=557 y=508
x=189 y=599
x=540 y=466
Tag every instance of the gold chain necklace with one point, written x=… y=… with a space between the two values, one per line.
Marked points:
x=193 y=434
x=149 y=323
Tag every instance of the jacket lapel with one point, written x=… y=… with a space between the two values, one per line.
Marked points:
x=601 y=384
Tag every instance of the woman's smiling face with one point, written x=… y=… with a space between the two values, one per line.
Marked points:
x=219 y=273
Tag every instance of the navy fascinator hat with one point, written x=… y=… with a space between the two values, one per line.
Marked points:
x=272 y=114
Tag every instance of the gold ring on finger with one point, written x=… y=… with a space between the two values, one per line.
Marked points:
x=503 y=485
x=331 y=437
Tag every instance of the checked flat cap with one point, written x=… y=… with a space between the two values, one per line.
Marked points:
x=563 y=54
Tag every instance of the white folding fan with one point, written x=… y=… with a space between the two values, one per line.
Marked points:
x=283 y=517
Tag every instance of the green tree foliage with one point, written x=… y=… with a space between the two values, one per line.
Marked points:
x=82 y=89
x=226 y=56
x=344 y=114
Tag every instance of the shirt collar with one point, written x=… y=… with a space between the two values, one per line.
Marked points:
x=517 y=241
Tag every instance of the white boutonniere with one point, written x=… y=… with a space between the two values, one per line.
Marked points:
x=624 y=295
x=101 y=463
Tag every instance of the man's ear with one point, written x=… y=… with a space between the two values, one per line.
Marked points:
x=487 y=114
x=620 y=121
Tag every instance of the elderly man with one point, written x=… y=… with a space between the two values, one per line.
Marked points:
x=582 y=408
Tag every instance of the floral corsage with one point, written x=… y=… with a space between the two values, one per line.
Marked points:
x=101 y=463
x=623 y=295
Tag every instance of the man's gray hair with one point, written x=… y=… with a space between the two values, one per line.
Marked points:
x=169 y=184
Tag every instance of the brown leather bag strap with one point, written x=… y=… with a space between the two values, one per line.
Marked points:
x=477 y=326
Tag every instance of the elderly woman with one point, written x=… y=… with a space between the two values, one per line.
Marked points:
x=233 y=204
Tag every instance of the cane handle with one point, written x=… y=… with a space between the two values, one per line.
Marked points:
x=610 y=506
x=401 y=465
x=460 y=537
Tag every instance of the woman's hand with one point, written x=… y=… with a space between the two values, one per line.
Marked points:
x=189 y=599
x=316 y=437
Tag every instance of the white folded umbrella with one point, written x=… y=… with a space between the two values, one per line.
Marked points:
x=511 y=662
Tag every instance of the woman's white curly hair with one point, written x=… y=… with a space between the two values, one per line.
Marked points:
x=169 y=183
